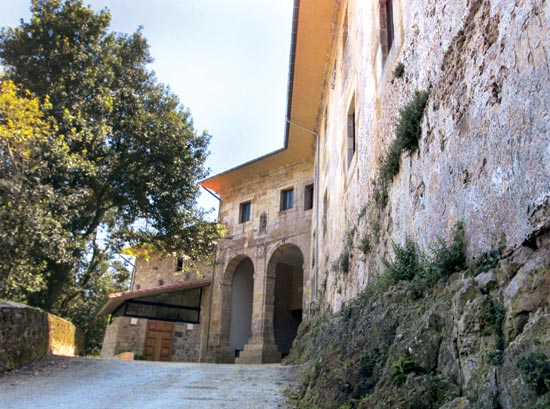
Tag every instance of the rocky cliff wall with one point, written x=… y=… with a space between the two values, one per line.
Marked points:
x=478 y=338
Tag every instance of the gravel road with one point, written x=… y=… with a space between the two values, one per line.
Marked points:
x=57 y=383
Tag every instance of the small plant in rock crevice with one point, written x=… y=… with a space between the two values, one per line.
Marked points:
x=536 y=370
x=489 y=259
x=399 y=70
x=407 y=135
x=365 y=244
x=494 y=316
x=400 y=369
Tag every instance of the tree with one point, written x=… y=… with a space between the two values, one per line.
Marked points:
x=128 y=152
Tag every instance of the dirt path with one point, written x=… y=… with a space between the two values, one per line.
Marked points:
x=58 y=383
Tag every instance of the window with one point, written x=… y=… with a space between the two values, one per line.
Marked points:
x=244 y=212
x=179 y=264
x=287 y=199
x=351 y=131
x=386 y=27
x=308 y=197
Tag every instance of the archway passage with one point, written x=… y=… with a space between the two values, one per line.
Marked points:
x=287 y=263
x=242 y=290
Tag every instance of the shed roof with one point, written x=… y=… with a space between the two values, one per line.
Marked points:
x=115 y=300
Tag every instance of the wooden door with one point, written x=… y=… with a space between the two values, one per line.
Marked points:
x=158 y=340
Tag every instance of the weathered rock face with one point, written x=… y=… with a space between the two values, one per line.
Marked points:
x=465 y=342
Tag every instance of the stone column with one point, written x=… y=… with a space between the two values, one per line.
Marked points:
x=219 y=350
x=261 y=347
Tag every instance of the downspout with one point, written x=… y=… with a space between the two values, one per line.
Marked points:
x=316 y=192
x=213 y=273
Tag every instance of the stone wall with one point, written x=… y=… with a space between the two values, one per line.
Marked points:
x=484 y=155
x=23 y=335
x=157 y=271
x=27 y=334
x=64 y=338
x=124 y=334
x=187 y=339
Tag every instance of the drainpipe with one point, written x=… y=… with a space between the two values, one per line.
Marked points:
x=316 y=192
x=213 y=272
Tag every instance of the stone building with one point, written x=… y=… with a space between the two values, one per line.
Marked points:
x=309 y=224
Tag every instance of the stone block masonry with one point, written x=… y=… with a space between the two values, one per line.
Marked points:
x=27 y=334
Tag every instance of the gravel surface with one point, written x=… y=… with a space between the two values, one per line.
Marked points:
x=58 y=382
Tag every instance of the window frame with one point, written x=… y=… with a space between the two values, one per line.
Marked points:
x=245 y=211
x=285 y=194
x=309 y=192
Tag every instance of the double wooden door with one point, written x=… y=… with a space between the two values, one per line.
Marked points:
x=159 y=340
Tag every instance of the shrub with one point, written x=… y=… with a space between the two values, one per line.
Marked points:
x=446 y=259
x=400 y=368
x=405 y=264
x=399 y=70
x=494 y=316
x=366 y=366
x=488 y=259
x=390 y=164
x=409 y=128
x=365 y=244
x=380 y=196
x=536 y=369
x=343 y=261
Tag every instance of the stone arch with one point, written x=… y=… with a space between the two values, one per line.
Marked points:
x=286 y=268
x=237 y=300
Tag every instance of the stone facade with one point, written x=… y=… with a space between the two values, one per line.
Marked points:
x=124 y=334
x=271 y=237
x=484 y=155
x=187 y=338
x=157 y=271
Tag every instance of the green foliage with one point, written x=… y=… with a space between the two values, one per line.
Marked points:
x=399 y=70
x=409 y=127
x=494 y=316
x=390 y=163
x=381 y=196
x=405 y=264
x=120 y=163
x=536 y=370
x=400 y=369
x=365 y=244
x=448 y=258
x=408 y=132
x=494 y=357
x=488 y=259
x=347 y=312
x=343 y=261
x=366 y=366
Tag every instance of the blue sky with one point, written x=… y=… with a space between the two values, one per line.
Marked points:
x=227 y=60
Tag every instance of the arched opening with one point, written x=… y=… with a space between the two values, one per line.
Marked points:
x=287 y=266
x=242 y=290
